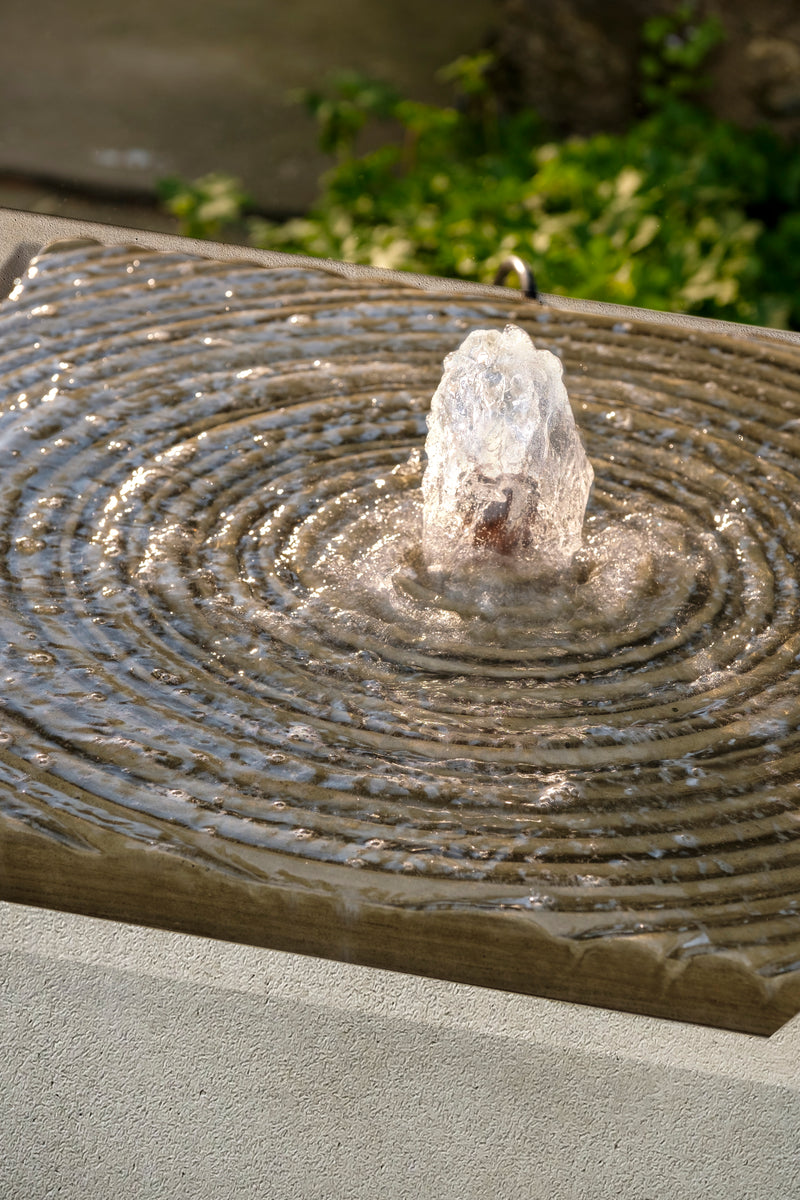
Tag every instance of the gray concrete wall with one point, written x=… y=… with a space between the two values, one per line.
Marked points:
x=145 y=1064
x=120 y=95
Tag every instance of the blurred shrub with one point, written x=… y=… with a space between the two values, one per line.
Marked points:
x=683 y=211
x=675 y=50
x=206 y=206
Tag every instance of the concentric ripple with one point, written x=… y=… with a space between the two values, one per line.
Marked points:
x=214 y=615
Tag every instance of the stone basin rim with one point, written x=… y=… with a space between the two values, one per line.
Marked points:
x=23 y=235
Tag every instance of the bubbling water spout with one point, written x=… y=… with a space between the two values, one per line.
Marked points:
x=507 y=480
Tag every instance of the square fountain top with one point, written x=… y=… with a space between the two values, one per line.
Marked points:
x=235 y=704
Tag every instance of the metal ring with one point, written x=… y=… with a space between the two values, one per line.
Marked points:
x=527 y=279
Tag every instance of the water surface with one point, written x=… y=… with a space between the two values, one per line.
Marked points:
x=214 y=615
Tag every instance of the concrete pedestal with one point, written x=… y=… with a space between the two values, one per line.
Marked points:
x=138 y=1063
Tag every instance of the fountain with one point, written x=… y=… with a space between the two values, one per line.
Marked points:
x=248 y=694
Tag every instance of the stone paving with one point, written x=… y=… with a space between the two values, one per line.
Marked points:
x=120 y=96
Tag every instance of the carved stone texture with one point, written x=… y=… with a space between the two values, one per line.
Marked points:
x=231 y=702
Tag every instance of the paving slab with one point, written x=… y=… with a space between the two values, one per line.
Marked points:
x=121 y=97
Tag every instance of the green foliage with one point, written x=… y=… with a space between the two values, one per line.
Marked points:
x=342 y=112
x=683 y=211
x=676 y=48
x=204 y=207
x=413 y=203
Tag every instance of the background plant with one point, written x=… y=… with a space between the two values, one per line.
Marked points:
x=675 y=49
x=682 y=211
x=206 y=206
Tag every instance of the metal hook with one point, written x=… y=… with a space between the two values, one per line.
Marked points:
x=527 y=279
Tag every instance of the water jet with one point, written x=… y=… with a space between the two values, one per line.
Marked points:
x=507 y=479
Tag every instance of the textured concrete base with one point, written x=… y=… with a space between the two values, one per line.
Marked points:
x=140 y=1063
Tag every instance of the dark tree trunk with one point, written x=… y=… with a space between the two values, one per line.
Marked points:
x=577 y=61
